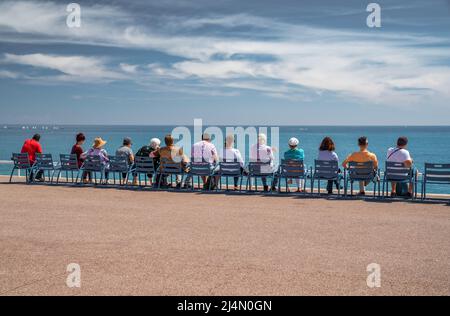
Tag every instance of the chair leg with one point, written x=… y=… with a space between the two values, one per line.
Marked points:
x=12 y=173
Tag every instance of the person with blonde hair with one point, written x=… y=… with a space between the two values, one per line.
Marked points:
x=231 y=154
x=260 y=152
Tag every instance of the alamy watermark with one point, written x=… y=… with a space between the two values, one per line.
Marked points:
x=374 y=278
x=74 y=17
x=73 y=280
x=374 y=18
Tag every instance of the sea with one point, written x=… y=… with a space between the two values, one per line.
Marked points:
x=426 y=143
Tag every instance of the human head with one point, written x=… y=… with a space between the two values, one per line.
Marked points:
x=98 y=143
x=169 y=140
x=402 y=142
x=127 y=142
x=206 y=137
x=229 y=141
x=262 y=139
x=363 y=142
x=327 y=144
x=155 y=143
x=37 y=137
x=293 y=142
x=80 y=138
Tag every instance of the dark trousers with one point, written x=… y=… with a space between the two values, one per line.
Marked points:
x=330 y=185
x=38 y=176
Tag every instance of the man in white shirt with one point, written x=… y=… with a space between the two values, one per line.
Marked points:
x=205 y=151
x=400 y=154
x=260 y=152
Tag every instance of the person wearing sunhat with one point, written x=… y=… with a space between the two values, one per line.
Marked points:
x=98 y=150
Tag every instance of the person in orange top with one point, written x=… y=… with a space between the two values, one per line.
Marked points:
x=363 y=155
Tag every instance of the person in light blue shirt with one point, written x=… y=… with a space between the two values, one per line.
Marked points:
x=295 y=153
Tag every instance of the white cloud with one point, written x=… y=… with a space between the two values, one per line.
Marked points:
x=380 y=67
x=9 y=74
x=129 y=68
x=72 y=67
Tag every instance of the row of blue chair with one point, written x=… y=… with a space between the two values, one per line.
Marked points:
x=288 y=170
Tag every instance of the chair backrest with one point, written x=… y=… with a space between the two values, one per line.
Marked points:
x=118 y=164
x=326 y=169
x=92 y=163
x=232 y=169
x=200 y=168
x=68 y=162
x=361 y=171
x=44 y=161
x=259 y=168
x=21 y=161
x=436 y=172
x=169 y=167
x=144 y=164
x=397 y=171
x=292 y=168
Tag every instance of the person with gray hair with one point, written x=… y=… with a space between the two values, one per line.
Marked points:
x=126 y=151
x=150 y=151
x=260 y=152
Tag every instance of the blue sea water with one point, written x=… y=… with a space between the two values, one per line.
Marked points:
x=426 y=143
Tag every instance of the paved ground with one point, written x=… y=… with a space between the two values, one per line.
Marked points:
x=161 y=243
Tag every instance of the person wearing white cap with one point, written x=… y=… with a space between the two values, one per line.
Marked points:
x=295 y=153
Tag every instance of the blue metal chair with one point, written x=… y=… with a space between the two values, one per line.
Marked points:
x=144 y=166
x=435 y=173
x=258 y=170
x=21 y=162
x=229 y=170
x=326 y=170
x=200 y=169
x=361 y=172
x=291 y=170
x=169 y=168
x=44 y=163
x=119 y=165
x=399 y=173
x=94 y=166
x=68 y=165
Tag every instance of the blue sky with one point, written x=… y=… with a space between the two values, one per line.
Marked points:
x=227 y=62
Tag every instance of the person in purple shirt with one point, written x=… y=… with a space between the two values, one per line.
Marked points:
x=327 y=152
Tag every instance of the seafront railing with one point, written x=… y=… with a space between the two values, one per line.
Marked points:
x=8 y=162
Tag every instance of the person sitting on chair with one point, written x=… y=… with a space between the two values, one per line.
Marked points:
x=260 y=152
x=295 y=153
x=363 y=155
x=231 y=154
x=170 y=154
x=400 y=154
x=127 y=152
x=33 y=147
x=327 y=153
x=98 y=150
x=205 y=151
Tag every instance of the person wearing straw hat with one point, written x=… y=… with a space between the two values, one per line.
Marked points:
x=98 y=150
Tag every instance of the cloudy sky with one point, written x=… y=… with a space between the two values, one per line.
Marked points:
x=227 y=62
